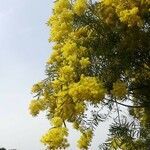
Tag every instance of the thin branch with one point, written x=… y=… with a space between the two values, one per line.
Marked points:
x=118 y=112
x=64 y=124
x=132 y=106
x=125 y=105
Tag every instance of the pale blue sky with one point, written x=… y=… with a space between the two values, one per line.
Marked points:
x=24 y=49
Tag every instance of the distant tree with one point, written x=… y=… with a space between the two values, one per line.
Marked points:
x=2 y=148
x=100 y=60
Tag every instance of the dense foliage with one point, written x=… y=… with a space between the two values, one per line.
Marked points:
x=100 y=60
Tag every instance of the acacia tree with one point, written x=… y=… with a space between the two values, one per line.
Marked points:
x=100 y=60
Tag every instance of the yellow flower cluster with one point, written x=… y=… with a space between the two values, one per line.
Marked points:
x=126 y=10
x=80 y=34
x=80 y=7
x=37 y=87
x=60 y=22
x=84 y=62
x=72 y=52
x=88 y=89
x=60 y=5
x=130 y=16
x=119 y=89
x=57 y=84
x=71 y=89
x=69 y=48
x=57 y=122
x=66 y=73
x=36 y=106
x=108 y=2
x=80 y=107
x=85 y=139
x=55 y=138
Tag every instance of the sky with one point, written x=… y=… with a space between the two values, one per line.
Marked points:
x=24 y=49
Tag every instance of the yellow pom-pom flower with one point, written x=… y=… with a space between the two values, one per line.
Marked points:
x=119 y=89
x=57 y=122
x=80 y=6
x=85 y=139
x=84 y=62
x=55 y=138
x=36 y=106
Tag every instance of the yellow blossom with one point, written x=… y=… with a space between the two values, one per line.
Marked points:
x=67 y=72
x=126 y=10
x=88 y=88
x=84 y=62
x=119 y=89
x=54 y=138
x=56 y=84
x=36 y=106
x=130 y=16
x=66 y=15
x=60 y=5
x=107 y=2
x=69 y=48
x=85 y=139
x=80 y=107
x=37 y=87
x=57 y=122
x=80 y=6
